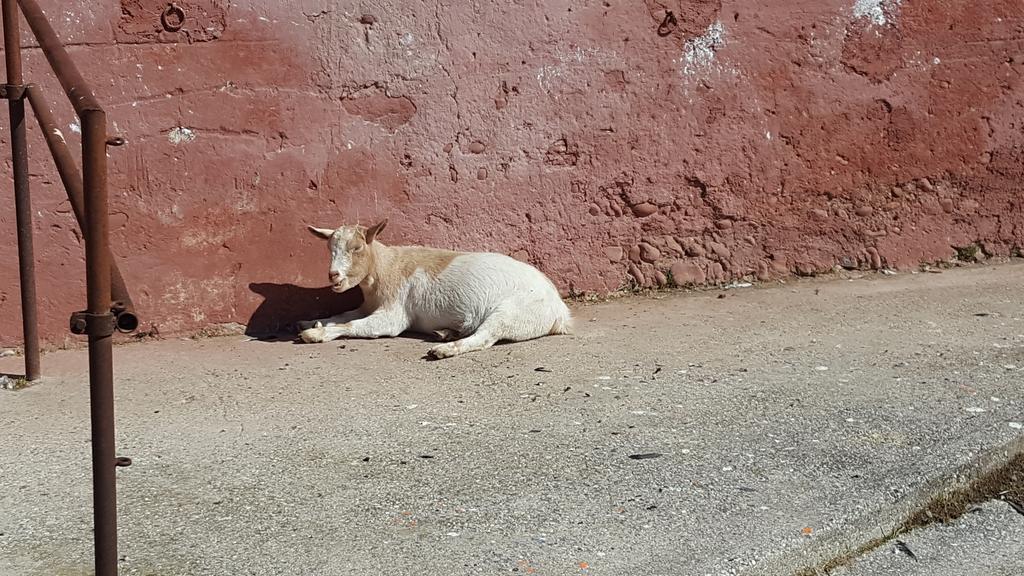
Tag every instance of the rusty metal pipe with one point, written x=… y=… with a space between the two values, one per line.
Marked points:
x=100 y=328
x=71 y=80
x=22 y=198
x=67 y=168
x=99 y=319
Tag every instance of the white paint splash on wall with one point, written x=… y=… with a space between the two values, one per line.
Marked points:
x=920 y=61
x=180 y=135
x=201 y=238
x=699 y=53
x=878 y=11
x=567 y=71
x=546 y=74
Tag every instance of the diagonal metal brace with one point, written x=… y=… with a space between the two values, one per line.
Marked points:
x=93 y=324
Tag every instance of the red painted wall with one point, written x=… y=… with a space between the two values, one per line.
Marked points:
x=599 y=140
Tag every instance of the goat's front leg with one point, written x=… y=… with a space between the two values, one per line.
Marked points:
x=382 y=323
x=333 y=320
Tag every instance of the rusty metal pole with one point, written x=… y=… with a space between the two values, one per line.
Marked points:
x=98 y=321
x=22 y=200
x=100 y=327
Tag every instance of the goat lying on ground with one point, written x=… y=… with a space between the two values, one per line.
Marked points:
x=481 y=298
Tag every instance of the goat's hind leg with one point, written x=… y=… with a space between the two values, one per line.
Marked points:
x=502 y=324
x=482 y=338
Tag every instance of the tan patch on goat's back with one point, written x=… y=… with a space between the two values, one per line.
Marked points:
x=433 y=261
x=396 y=266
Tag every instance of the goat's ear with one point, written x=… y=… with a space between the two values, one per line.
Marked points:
x=374 y=230
x=321 y=232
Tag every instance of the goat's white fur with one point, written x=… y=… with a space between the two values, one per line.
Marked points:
x=482 y=298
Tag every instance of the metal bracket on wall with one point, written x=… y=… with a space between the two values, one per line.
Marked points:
x=93 y=324
x=13 y=91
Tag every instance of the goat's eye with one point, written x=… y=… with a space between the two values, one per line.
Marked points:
x=358 y=248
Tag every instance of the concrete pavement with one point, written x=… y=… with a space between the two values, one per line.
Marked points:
x=759 y=433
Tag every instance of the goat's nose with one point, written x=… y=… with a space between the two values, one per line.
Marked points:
x=334 y=276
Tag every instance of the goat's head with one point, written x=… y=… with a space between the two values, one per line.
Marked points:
x=351 y=253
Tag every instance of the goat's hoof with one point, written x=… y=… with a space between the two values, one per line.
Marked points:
x=446 y=335
x=305 y=324
x=313 y=335
x=444 y=350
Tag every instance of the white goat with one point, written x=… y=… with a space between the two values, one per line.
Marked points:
x=481 y=298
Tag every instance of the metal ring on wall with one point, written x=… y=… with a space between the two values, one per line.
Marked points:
x=172 y=18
